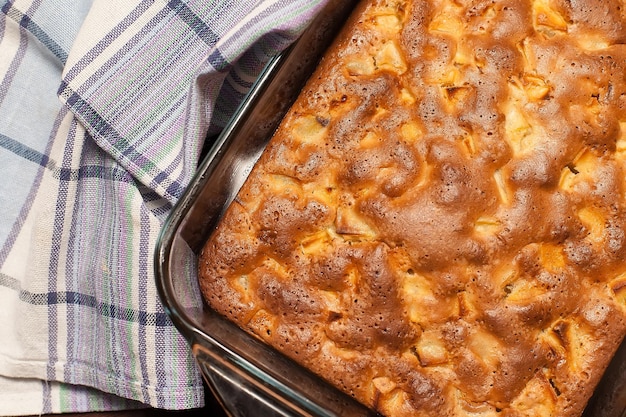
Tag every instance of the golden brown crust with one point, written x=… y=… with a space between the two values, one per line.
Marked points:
x=438 y=226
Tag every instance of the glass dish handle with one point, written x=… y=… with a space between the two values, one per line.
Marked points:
x=240 y=394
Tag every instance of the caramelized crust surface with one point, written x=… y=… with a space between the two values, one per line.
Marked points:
x=438 y=225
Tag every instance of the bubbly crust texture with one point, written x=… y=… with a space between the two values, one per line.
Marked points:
x=438 y=225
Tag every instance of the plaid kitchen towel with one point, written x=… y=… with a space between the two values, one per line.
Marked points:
x=104 y=107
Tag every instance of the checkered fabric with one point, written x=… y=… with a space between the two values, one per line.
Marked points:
x=104 y=107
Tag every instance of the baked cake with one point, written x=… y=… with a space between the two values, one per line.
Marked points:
x=438 y=225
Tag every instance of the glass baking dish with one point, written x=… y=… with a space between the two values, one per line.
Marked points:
x=248 y=377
